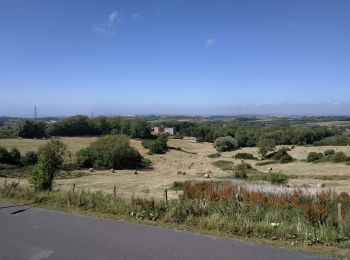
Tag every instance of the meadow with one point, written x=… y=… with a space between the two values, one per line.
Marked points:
x=191 y=159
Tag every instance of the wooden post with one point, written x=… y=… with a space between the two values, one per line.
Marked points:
x=115 y=191
x=166 y=196
x=73 y=189
x=340 y=218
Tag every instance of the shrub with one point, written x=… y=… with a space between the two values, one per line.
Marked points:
x=53 y=158
x=226 y=143
x=329 y=152
x=4 y=155
x=158 y=146
x=214 y=155
x=286 y=158
x=108 y=152
x=340 y=157
x=15 y=156
x=240 y=171
x=30 y=158
x=5 y=134
x=277 y=178
x=245 y=156
x=282 y=155
x=313 y=156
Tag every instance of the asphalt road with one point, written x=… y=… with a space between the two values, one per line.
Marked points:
x=31 y=233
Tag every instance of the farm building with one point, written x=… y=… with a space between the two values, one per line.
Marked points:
x=169 y=130
x=195 y=139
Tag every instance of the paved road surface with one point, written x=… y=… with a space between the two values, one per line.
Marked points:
x=31 y=233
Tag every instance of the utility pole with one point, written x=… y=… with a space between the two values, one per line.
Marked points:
x=35 y=112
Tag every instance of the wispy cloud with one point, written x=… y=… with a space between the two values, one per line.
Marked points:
x=135 y=16
x=112 y=17
x=106 y=28
x=210 y=42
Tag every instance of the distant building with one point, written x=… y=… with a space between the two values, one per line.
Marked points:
x=194 y=139
x=169 y=130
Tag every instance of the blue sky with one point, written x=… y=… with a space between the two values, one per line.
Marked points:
x=175 y=57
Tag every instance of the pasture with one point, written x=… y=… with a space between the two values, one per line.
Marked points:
x=191 y=158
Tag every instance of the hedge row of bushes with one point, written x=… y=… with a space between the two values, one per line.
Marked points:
x=328 y=156
x=14 y=157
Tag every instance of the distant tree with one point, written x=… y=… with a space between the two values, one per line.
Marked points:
x=139 y=128
x=226 y=143
x=53 y=158
x=113 y=151
x=266 y=145
x=73 y=126
x=158 y=146
x=30 y=128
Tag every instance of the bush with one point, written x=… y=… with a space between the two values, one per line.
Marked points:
x=224 y=144
x=277 y=178
x=313 y=156
x=12 y=157
x=286 y=158
x=6 y=134
x=245 y=156
x=53 y=158
x=329 y=152
x=340 y=157
x=158 y=146
x=30 y=158
x=15 y=156
x=4 y=155
x=108 y=152
x=240 y=171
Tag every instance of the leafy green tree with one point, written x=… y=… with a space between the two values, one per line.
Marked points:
x=113 y=151
x=226 y=143
x=73 y=126
x=265 y=146
x=53 y=158
x=158 y=146
x=30 y=128
x=139 y=129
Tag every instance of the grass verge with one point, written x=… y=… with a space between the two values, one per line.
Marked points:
x=213 y=209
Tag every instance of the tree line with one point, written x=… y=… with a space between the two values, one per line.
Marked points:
x=246 y=135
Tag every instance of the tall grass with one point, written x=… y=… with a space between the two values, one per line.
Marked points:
x=304 y=216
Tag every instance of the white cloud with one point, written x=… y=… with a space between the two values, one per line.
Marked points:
x=135 y=16
x=112 y=17
x=210 y=41
x=106 y=28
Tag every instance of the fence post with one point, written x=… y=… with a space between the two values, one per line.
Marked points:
x=340 y=218
x=115 y=191
x=166 y=196
x=73 y=189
